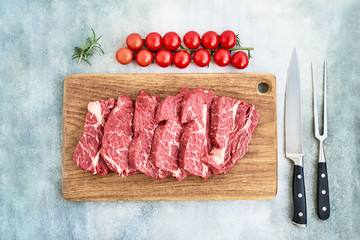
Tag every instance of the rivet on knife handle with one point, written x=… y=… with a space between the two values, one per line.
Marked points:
x=299 y=198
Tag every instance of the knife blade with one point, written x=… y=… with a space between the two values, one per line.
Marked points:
x=293 y=140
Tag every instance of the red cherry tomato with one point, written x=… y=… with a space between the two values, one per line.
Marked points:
x=153 y=41
x=171 y=41
x=134 y=41
x=222 y=57
x=210 y=40
x=182 y=59
x=163 y=58
x=228 y=39
x=202 y=57
x=192 y=40
x=124 y=56
x=144 y=57
x=240 y=60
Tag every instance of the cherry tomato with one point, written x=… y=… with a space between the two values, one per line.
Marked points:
x=210 y=40
x=153 y=41
x=240 y=60
x=124 y=56
x=182 y=59
x=202 y=57
x=228 y=39
x=134 y=41
x=192 y=40
x=171 y=41
x=144 y=57
x=163 y=58
x=222 y=57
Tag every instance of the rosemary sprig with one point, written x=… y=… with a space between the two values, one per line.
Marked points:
x=88 y=49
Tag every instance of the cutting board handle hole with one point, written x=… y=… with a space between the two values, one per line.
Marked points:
x=263 y=87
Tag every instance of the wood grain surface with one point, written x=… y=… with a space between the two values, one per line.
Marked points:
x=253 y=177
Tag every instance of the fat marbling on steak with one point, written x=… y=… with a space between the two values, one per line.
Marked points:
x=232 y=124
x=144 y=126
x=87 y=154
x=165 y=145
x=118 y=133
x=195 y=140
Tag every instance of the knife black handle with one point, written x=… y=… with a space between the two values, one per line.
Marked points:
x=299 y=197
x=323 y=200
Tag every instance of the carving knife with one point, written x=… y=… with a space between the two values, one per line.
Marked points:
x=293 y=139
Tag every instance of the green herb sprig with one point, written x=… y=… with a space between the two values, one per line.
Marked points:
x=88 y=48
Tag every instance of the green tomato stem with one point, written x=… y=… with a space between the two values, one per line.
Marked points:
x=213 y=50
x=241 y=48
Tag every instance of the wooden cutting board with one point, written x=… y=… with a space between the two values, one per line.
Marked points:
x=253 y=177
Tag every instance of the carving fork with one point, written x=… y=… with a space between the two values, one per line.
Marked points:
x=323 y=202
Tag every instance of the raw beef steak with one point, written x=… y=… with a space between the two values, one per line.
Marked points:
x=144 y=126
x=223 y=112
x=118 y=133
x=165 y=145
x=246 y=122
x=87 y=153
x=232 y=125
x=195 y=140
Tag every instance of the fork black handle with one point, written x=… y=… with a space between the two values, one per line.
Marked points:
x=323 y=199
x=299 y=198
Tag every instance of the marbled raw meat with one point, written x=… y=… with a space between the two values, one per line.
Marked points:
x=87 y=154
x=232 y=124
x=118 y=133
x=165 y=145
x=195 y=140
x=144 y=127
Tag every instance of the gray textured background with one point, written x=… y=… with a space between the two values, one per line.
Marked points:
x=37 y=40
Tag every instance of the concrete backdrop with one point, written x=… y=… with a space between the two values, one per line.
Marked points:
x=37 y=40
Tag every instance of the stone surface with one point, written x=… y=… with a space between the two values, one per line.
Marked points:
x=37 y=40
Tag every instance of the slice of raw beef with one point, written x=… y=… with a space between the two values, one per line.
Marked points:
x=223 y=112
x=233 y=122
x=87 y=153
x=144 y=126
x=165 y=145
x=195 y=140
x=118 y=133
x=241 y=136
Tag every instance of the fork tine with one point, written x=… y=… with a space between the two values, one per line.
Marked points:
x=325 y=104
x=316 y=127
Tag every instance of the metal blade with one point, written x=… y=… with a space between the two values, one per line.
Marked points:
x=293 y=126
